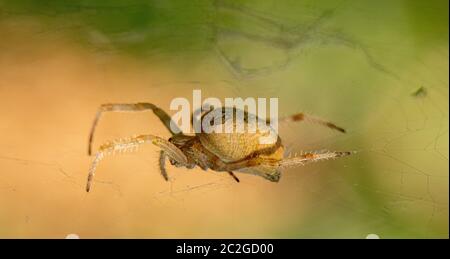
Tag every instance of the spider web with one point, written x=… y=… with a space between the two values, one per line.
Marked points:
x=380 y=70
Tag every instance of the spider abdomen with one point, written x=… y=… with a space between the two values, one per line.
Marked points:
x=238 y=145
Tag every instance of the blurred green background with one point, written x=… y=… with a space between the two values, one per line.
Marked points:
x=378 y=68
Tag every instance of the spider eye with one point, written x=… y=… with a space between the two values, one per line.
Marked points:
x=172 y=162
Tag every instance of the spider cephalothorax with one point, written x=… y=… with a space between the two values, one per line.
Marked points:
x=223 y=152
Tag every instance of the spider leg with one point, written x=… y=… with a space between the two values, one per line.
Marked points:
x=129 y=107
x=269 y=168
x=234 y=176
x=252 y=166
x=252 y=162
x=126 y=144
x=284 y=163
x=311 y=157
x=312 y=119
x=162 y=165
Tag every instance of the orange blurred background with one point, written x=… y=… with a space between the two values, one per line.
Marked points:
x=51 y=84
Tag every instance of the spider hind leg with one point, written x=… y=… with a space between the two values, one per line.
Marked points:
x=309 y=157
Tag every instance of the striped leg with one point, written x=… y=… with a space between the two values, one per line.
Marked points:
x=309 y=157
x=312 y=119
x=130 y=107
x=122 y=145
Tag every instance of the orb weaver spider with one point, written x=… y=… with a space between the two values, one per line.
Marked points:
x=221 y=152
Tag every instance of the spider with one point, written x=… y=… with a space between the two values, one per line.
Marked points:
x=221 y=152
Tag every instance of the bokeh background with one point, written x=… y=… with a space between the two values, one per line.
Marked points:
x=377 y=68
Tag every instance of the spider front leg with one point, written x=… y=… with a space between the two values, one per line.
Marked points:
x=122 y=145
x=131 y=107
x=162 y=165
